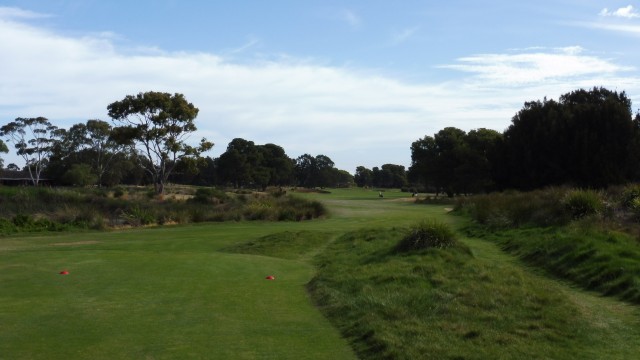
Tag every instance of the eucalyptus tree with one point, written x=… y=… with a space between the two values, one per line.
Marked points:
x=3 y=149
x=91 y=144
x=33 y=139
x=159 y=125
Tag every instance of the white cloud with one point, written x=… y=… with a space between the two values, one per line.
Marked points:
x=405 y=34
x=17 y=13
x=350 y=18
x=352 y=116
x=623 y=28
x=519 y=69
x=628 y=12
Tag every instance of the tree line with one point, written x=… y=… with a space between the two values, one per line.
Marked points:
x=588 y=138
x=148 y=145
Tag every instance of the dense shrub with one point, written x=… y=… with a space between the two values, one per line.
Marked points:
x=428 y=234
x=514 y=209
x=209 y=196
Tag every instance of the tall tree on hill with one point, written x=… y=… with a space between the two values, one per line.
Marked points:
x=159 y=124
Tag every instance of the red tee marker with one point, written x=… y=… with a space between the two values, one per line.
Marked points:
x=270 y=277
x=64 y=272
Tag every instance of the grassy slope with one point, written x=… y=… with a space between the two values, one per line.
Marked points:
x=172 y=293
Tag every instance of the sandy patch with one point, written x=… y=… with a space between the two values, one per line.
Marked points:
x=88 y=242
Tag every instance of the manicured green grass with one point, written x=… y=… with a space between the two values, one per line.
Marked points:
x=157 y=293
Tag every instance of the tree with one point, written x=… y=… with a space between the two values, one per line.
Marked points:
x=306 y=171
x=424 y=153
x=3 y=149
x=278 y=164
x=159 y=124
x=33 y=139
x=79 y=175
x=316 y=171
x=13 y=167
x=454 y=161
x=90 y=143
x=363 y=177
x=237 y=164
x=476 y=172
x=587 y=139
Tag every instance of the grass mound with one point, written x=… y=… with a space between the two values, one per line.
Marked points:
x=427 y=234
x=286 y=245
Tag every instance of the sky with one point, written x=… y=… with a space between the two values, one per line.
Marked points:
x=355 y=80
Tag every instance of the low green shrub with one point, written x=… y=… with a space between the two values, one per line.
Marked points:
x=582 y=203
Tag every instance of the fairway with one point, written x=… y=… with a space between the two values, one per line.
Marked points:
x=170 y=293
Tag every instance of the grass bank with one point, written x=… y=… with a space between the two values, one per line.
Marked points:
x=465 y=302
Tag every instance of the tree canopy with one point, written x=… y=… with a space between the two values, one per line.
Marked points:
x=159 y=124
x=587 y=138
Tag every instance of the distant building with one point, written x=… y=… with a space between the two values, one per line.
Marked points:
x=19 y=178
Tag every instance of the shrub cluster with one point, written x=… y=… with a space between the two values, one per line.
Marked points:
x=62 y=208
x=514 y=209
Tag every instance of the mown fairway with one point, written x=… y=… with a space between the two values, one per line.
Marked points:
x=169 y=293
x=200 y=292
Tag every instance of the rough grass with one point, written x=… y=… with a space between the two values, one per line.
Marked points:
x=448 y=304
x=606 y=262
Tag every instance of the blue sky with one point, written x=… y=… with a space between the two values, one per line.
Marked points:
x=357 y=81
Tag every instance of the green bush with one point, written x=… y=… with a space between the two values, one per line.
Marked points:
x=582 y=203
x=630 y=197
x=428 y=234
